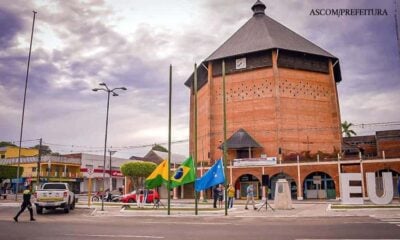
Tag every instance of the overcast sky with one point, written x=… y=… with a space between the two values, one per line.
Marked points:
x=78 y=44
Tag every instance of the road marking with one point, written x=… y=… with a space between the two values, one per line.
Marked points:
x=390 y=219
x=111 y=236
x=190 y=223
x=343 y=239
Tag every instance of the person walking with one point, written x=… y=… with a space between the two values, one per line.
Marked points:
x=215 y=195
x=26 y=203
x=398 y=186
x=231 y=195
x=250 y=196
x=220 y=195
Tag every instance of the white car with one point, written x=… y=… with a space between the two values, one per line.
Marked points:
x=54 y=195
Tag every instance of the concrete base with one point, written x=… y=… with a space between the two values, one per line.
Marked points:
x=283 y=199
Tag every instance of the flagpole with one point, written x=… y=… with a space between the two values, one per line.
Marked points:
x=225 y=154
x=169 y=141
x=195 y=135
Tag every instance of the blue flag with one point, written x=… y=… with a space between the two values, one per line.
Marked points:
x=215 y=175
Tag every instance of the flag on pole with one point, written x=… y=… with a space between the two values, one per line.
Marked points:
x=215 y=175
x=184 y=174
x=158 y=176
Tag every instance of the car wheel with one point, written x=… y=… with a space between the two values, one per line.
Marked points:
x=66 y=209
x=67 y=206
x=73 y=205
x=39 y=210
x=131 y=200
x=95 y=199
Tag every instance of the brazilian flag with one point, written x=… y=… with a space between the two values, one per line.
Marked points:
x=158 y=176
x=184 y=174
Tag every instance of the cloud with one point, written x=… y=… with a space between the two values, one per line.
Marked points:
x=78 y=45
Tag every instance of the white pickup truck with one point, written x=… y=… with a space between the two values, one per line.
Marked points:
x=54 y=195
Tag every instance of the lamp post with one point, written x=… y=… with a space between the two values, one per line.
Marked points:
x=114 y=94
x=111 y=153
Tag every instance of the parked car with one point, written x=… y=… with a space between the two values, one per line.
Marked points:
x=54 y=195
x=151 y=196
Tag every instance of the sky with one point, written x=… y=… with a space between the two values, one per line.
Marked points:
x=79 y=44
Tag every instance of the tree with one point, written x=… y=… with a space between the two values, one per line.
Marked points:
x=157 y=147
x=9 y=172
x=138 y=172
x=346 y=129
x=45 y=150
x=6 y=144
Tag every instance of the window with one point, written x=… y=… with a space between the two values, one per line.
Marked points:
x=3 y=156
x=54 y=186
x=34 y=169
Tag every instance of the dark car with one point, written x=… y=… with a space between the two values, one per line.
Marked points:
x=151 y=196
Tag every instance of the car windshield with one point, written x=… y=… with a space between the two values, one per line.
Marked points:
x=54 y=186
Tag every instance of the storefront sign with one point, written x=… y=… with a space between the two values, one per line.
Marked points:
x=317 y=179
x=351 y=188
x=254 y=161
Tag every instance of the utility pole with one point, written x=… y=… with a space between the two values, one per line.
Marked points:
x=23 y=109
x=38 y=164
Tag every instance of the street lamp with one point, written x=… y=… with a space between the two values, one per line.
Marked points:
x=109 y=91
x=111 y=153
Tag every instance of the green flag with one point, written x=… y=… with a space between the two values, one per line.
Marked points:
x=184 y=174
x=158 y=176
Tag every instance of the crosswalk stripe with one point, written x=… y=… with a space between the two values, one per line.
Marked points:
x=390 y=219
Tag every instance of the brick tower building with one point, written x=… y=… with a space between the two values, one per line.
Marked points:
x=280 y=90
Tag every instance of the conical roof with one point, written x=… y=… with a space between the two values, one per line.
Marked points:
x=261 y=33
x=241 y=139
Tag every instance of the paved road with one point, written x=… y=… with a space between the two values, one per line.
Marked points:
x=80 y=224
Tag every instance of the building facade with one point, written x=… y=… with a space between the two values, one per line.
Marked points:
x=46 y=169
x=282 y=112
x=13 y=152
x=92 y=167
x=280 y=89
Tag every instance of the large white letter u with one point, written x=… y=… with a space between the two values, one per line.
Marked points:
x=387 y=195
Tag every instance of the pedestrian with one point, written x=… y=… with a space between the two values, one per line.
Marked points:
x=108 y=195
x=26 y=203
x=220 y=195
x=215 y=195
x=231 y=195
x=398 y=185
x=250 y=196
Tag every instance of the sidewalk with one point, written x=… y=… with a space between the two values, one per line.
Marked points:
x=186 y=207
x=300 y=209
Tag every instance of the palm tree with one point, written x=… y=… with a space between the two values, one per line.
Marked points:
x=346 y=129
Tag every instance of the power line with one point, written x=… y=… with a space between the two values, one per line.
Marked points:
x=120 y=148
x=86 y=148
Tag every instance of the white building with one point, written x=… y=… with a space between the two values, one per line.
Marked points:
x=92 y=167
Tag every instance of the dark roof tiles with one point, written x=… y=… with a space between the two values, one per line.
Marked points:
x=241 y=139
x=263 y=33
